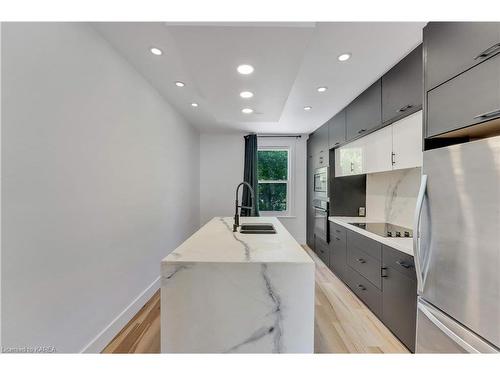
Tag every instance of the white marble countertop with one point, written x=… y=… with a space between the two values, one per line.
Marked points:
x=216 y=242
x=402 y=244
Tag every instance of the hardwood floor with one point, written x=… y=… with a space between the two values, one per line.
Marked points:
x=343 y=324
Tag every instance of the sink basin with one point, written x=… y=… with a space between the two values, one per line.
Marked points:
x=257 y=228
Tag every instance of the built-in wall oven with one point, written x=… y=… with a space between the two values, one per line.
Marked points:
x=320 y=204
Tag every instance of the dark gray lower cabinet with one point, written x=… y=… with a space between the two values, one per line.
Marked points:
x=338 y=250
x=399 y=297
x=322 y=250
x=366 y=291
x=382 y=277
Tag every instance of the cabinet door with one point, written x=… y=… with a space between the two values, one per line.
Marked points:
x=322 y=138
x=338 y=250
x=336 y=135
x=322 y=250
x=468 y=99
x=365 y=112
x=377 y=151
x=450 y=48
x=402 y=87
x=407 y=142
x=399 y=305
x=349 y=159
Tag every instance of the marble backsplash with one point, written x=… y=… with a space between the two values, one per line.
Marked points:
x=392 y=196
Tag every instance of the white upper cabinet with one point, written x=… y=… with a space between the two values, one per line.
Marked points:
x=349 y=159
x=407 y=142
x=377 y=151
x=396 y=146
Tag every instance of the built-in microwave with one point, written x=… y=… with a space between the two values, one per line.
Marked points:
x=320 y=186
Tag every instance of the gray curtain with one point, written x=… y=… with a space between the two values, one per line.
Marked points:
x=250 y=175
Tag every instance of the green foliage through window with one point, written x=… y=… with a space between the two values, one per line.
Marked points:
x=272 y=173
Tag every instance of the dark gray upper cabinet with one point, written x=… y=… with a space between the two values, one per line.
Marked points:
x=402 y=87
x=450 y=48
x=337 y=130
x=322 y=140
x=365 y=112
x=468 y=99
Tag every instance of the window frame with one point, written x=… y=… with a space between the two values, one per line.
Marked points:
x=288 y=181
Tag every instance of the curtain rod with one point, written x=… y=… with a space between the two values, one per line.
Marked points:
x=279 y=136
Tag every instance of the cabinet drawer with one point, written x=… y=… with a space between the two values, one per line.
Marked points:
x=338 y=232
x=367 y=292
x=369 y=246
x=399 y=261
x=366 y=265
x=468 y=99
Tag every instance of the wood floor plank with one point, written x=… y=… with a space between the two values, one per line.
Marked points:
x=343 y=324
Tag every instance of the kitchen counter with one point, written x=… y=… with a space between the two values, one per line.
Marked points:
x=402 y=244
x=231 y=292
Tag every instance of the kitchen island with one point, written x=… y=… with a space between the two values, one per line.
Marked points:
x=227 y=292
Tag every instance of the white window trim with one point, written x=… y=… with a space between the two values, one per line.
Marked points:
x=277 y=144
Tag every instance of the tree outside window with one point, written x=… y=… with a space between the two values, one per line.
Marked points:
x=273 y=179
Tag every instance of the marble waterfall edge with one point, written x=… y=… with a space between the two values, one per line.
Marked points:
x=225 y=292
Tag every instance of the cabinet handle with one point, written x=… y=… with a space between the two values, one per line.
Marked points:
x=352 y=167
x=361 y=286
x=361 y=131
x=488 y=51
x=361 y=260
x=495 y=112
x=336 y=230
x=382 y=272
x=338 y=239
x=337 y=143
x=405 y=108
x=393 y=160
x=403 y=264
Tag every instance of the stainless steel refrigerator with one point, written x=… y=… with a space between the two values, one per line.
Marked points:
x=457 y=251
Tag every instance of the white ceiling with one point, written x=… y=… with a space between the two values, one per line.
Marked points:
x=290 y=59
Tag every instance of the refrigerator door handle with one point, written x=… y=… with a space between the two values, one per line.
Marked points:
x=416 y=234
x=448 y=332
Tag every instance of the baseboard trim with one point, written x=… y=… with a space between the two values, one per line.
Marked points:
x=111 y=330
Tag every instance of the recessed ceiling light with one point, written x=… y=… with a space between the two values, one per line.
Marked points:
x=246 y=94
x=245 y=69
x=180 y=84
x=322 y=89
x=344 y=57
x=156 y=51
x=307 y=108
x=194 y=105
x=247 y=110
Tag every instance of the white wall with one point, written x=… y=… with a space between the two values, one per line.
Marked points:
x=392 y=196
x=100 y=182
x=221 y=169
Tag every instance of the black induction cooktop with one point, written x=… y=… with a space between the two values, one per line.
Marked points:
x=385 y=229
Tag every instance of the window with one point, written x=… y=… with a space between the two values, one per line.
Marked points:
x=273 y=166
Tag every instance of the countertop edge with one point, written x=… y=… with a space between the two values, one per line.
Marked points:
x=391 y=242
